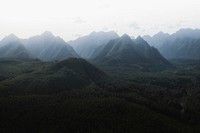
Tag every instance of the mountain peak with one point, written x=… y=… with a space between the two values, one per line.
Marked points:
x=187 y=32
x=125 y=37
x=12 y=37
x=9 y=38
x=93 y=33
x=140 y=39
x=47 y=34
x=161 y=34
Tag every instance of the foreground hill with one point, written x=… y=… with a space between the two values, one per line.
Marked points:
x=39 y=77
x=47 y=47
x=86 y=45
x=124 y=51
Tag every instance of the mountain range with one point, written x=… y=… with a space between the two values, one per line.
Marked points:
x=184 y=44
x=45 y=47
x=106 y=47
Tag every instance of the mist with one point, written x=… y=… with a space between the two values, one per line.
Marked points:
x=72 y=19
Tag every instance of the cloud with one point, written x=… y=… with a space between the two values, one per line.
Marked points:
x=77 y=35
x=155 y=27
x=105 y=28
x=134 y=25
x=176 y=25
x=79 y=20
x=104 y=6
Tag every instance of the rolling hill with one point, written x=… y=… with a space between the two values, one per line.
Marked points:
x=41 y=77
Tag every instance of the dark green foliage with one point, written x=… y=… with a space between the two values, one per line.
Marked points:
x=74 y=96
x=82 y=67
x=81 y=111
x=38 y=77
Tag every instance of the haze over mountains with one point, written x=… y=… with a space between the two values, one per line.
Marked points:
x=184 y=44
x=86 y=45
x=106 y=47
x=125 y=51
x=157 y=40
x=46 y=47
x=11 y=47
x=15 y=50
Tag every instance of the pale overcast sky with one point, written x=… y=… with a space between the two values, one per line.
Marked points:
x=73 y=18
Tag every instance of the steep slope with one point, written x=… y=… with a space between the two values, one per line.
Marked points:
x=149 y=52
x=160 y=38
x=124 y=51
x=47 y=47
x=8 y=39
x=157 y=40
x=120 y=50
x=181 y=48
x=86 y=45
x=11 y=47
x=184 y=44
x=14 y=50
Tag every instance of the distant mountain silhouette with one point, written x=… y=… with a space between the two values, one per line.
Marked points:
x=181 y=48
x=157 y=40
x=187 y=33
x=11 y=47
x=124 y=51
x=184 y=44
x=47 y=47
x=8 y=39
x=86 y=45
